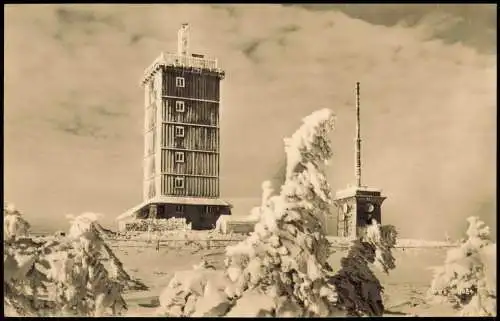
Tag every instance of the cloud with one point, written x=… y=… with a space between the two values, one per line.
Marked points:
x=107 y=112
x=472 y=25
x=78 y=128
x=135 y=38
x=231 y=10
x=69 y=16
x=250 y=48
x=289 y=28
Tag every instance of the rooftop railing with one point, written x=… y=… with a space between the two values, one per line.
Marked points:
x=176 y=60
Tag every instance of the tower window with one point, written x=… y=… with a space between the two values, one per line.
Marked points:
x=179 y=157
x=179 y=131
x=179 y=82
x=179 y=106
x=179 y=182
x=179 y=208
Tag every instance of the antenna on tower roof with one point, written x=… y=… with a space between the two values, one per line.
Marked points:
x=357 y=168
x=183 y=40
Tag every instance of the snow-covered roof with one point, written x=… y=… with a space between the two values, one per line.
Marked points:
x=173 y=200
x=353 y=190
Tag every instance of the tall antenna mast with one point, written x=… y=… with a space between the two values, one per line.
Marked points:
x=183 y=40
x=358 y=140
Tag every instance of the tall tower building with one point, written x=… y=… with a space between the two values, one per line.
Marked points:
x=182 y=138
x=357 y=206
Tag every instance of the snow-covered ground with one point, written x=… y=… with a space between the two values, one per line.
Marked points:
x=405 y=287
x=401 y=243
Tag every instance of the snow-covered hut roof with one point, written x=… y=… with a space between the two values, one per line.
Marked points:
x=353 y=190
x=173 y=200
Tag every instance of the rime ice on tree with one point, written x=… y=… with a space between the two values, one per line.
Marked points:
x=14 y=225
x=64 y=275
x=285 y=258
x=468 y=279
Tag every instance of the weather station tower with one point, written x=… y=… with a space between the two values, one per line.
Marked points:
x=359 y=205
x=181 y=162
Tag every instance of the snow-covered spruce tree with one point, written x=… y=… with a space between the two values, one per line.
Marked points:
x=465 y=278
x=280 y=269
x=22 y=281
x=359 y=290
x=285 y=258
x=14 y=225
x=69 y=270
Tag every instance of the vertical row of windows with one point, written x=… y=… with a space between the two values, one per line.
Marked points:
x=179 y=133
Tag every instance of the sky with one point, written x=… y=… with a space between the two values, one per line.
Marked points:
x=73 y=106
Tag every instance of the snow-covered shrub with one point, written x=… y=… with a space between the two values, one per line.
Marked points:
x=245 y=225
x=69 y=271
x=221 y=224
x=466 y=278
x=280 y=269
x=383 y=238
x=157 y=225
x=360 y=291
x=14 y=225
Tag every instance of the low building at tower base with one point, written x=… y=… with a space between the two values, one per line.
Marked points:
x=197 y=213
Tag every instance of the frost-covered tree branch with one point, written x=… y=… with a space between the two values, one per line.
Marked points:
x=69 y=271
x=468 y=278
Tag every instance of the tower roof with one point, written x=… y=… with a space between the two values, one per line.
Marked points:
x=176 y=60
x=356 y=190
x=182 y=58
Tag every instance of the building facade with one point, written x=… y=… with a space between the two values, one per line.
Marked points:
x=182 y=138
x=357 y=207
